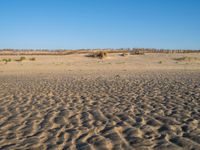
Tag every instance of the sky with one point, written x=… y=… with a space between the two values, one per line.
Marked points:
x=76 y=24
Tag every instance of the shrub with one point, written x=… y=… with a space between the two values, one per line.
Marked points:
x=124 y=54
x=136 y=53
x=100 y=54
x=32 y=59
x=20 y=59
x=6 y=60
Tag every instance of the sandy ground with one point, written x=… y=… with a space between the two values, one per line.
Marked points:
x=77 y=102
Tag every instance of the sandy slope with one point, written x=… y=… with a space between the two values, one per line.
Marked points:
x=107 y=106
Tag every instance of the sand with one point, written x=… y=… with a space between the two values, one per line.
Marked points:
x=76 y=102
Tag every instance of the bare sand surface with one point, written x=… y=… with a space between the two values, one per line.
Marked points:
x=76 y=102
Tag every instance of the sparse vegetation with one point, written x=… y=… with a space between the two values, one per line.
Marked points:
x=6 y=60
x=100 y=54
x=160 y=62
x=124 y=54
x=32 y=59
x=186 y=58
x=136 y=53
x=21 y=59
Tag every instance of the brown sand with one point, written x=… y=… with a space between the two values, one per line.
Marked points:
x=76 y=102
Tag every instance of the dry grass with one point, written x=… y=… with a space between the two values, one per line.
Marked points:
x=100 y=54
x=32 y=59
x=124 y=54
x=186 y=58
x=21 y=59
x=136 y=53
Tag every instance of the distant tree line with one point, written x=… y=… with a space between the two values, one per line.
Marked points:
x=82 y=51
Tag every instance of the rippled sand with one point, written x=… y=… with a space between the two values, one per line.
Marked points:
x=120 y=108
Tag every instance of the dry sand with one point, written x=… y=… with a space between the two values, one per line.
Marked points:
x=76 y=102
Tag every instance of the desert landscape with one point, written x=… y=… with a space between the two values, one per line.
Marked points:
x=83 y=101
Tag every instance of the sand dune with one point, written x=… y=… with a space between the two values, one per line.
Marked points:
x=99 y=108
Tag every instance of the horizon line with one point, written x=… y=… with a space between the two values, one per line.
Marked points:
x=63 y=49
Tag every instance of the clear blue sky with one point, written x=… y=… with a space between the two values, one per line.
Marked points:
x=75 y=24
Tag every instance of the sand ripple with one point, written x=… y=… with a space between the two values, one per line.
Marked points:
x=116 y=111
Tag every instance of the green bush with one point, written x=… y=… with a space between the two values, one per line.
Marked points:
x=6 y=60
